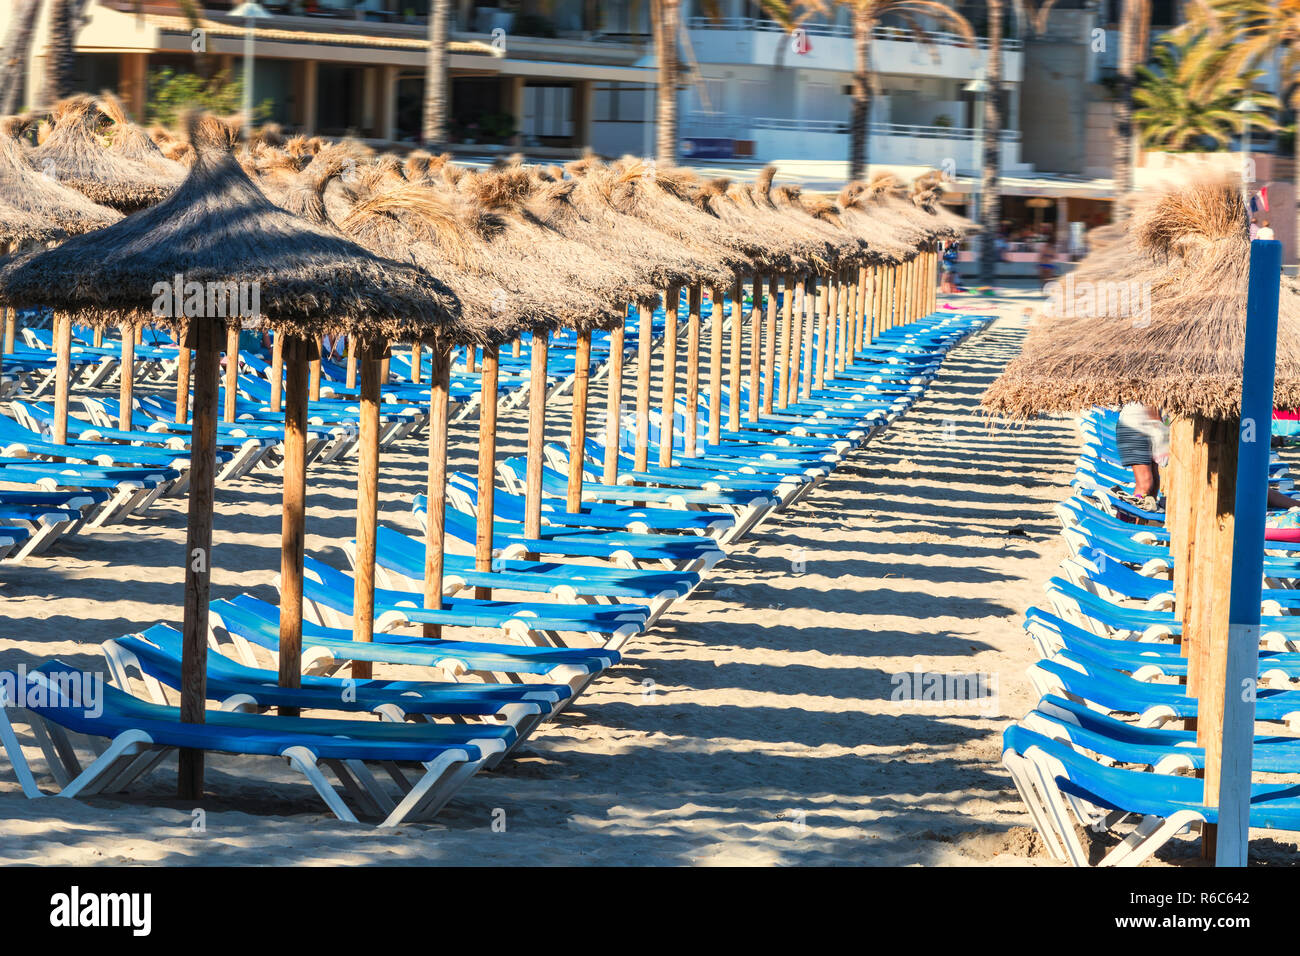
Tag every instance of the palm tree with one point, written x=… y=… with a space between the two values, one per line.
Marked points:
x=17 y=51
x=666 y=23
x=1134 y=21
x=1257 y=29
x=60 y=62
x=1186 y=99
x=866 y=16
x=436 y=76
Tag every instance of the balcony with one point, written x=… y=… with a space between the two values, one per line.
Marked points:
x=753 y=42
x=891 y=144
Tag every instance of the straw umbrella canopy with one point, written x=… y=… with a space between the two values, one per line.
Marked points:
x=38 y=208
x=218 y=232
x=73 y=154
x=1159 y=317
x=130 y=141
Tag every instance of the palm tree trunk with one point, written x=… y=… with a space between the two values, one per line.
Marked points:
x=990 y=212
x=17 y=52
x=667 y=17
x=1122 y=163
x=436 y=82
x=860 y=123
x=60 y=60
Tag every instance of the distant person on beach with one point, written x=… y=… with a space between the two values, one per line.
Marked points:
x=1254 y=230
x=949 y=285
x=1265 y=231
x=1143 y=440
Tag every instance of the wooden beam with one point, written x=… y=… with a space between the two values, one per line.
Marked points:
x=183 y=375
x=668 y=384
x=536 y=435
x=277 y=370
x=755 y=350
x=313 y=373
x=769 y=345
x=782 y=385
x=737 y=343
x=232 y=371
x=11 y=329
x=417 y=362
x=716 y=343
x=62 y=375
x=363 y=600
x=351 y=376
x=435 y=533
x=829 y=328
x=691 y=434
x=644 y=356
x=487 y=463
x=292 y=524
x=198 y=548
x=823 y=328
x=578 y=422
x=614 y=402
x=126 y=380
x=810 y=296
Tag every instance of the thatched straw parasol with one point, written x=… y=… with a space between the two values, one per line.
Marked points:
x=37 y=208
x=219 y=231
x=1157 y=318
x=73 y=154
x=130 y=141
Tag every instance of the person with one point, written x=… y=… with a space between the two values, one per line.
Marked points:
x=1143 y=440
x=949 y=280
x=1046 y=262
x=1254 y=229
x=1265 y=231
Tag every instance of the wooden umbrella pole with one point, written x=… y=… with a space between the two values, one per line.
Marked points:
x=769 y=344
x=517 y=346
x=782 y=375
x=755 y=351
x=578 y=422
x=126 y=383
x=98 y=338
x=796 y=343
x=11 y=329
x=900 y=284
x=614 y=403
x=487 y=463
x=1180 y=498
x=536 y=436
x=1201 y=569
x=277 y=370
x=384 y=373
x=417 y=363
x=668 y=387
x=810 y=296
x=62 y=375
x=206 y=341
x=789 y=341
x=471 y=359
x=435 y=531
x=183 y=376
x=645 y=339
x=351 y=377
x=861 y=306
x=737 y=343
x=691 y=432
x=232 y=371
x=313 y=372
x=363 y=600
x=877 y=305
x=716 y=334
x=842 y=322
x=834 y=305
x=823 y=328
x=292 y=530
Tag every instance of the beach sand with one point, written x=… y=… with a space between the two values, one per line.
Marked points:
x=760 y=722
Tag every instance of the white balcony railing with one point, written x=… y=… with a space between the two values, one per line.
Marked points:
x=778 y=137
x=897 y=34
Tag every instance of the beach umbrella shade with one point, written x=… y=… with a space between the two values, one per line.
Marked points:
x=216 y=239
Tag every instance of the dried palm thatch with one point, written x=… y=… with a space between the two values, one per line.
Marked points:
x=1159 y=317
x=219 y=231
x=77 y=158
x=128 y=140
x=35 y=207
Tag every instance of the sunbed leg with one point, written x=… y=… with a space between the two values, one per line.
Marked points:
x=435 y=788
x=17 y=759
x=305 y=762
